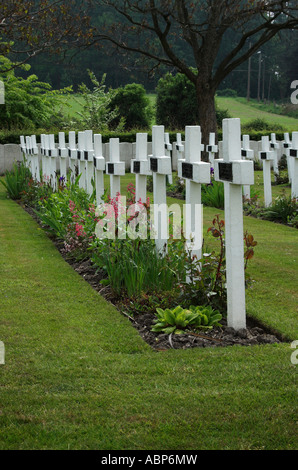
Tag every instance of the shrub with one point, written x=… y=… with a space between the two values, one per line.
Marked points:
x=228 y=92
x=17 y=180
x=259 y=124
x=176 y=103
x=133 y=105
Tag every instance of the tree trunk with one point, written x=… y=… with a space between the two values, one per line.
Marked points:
x=207 y=114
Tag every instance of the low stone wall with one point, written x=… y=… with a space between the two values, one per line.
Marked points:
x=9 y=153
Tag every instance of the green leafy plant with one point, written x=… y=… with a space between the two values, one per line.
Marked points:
x=179 y=320
x=16 y=181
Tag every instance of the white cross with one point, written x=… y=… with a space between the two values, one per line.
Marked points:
x=29 y=153
x=161 y=166
x=274 y=147
x=266 y=155
x=52 y=160
x=294 y=158
x=211 y=148
x=35 y=160
x=88 y=156
x=235 y=173
x=195 y=172
x=140 y=167
x=81 y=160
x=247 y=154
x=287 y=145
x=73 y=154
x=115 y=168
x=99 y=166
x=63 y=154
x=168 y=153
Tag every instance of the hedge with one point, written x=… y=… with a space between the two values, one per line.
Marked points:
x=13 y=137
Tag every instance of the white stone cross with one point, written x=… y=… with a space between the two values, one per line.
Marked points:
x=235 y=173
x=81 y=160
x=115 y=168
x=73 y=155
x=211 y=148
x=247 y=154
x=45 y=162
x=23 y=144
x=140 y=167
x=294 y=157
x=63 y=154
x=287 y=145
x=195 y=172
x=89 y=156
x=99 y=166
x=29 y=154
x=168 y=153
x=266 y=155
x=35 y=159
x=43 y=157
x=52 y=155
x=274 y=147
x=161 y=166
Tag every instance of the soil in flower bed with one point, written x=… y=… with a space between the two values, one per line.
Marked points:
x=254 y=334
x=223 y=336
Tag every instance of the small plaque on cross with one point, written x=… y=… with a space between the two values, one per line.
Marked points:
x=225 y=171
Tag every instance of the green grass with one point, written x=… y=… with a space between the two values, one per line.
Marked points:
x=247 y=111
x=78 y=376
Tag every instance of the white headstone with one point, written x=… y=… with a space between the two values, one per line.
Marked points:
x=99 y=166
x=266 y=155
x=274 y=146
x=46 y=171
x=168 y=153
x=89 y=155
x=81 y=160
x=195 y=172
x=235 y=173
x=294 y=157
x=247 y=154
x=63 y=154
x=161 y=166
x=140 y=167
x=115 y=168
x=211 y=148
x=73 y=155
x=52 y=159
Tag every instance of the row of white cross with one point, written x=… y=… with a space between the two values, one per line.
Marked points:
x=235 y=170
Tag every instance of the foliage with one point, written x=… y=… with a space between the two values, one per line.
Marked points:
x=29 y=103
x=213 y=194
x=260 y=124
x=283 y=210
x=179 y=320
x=176 y=103
x=17 y=180
x=227 y=92
x=97 y=112
x=133 y=106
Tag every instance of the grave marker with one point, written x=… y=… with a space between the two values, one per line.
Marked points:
x=247 y=154
x=72 y=154
x=43 y=156
x=140 y=167
x=63 y=154
x=89 y=159
x=287 y=145
x=115 y=168
x=235 y=173
x=274 y=147
x=29 y=153
x=81 y=159
x=266 y=155
x=52 y=154
x=46 y=172
x=293 y=153
x=161 y=166
x=168 y=153
x=195 y=172
x=99 y=166
x=211 y=148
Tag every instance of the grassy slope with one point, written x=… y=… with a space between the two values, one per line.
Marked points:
x=238 y=108
x=77 y=375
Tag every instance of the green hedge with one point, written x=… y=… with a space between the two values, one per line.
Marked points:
x=13 y=137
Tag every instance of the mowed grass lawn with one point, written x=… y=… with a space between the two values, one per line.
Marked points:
x=78 y=375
